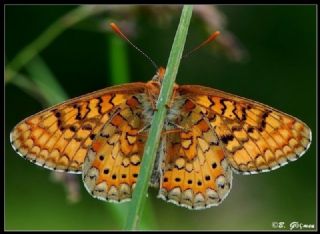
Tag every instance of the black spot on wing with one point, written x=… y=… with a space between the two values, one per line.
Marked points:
x=244 y=115
x=225 y=139
x=263 y=122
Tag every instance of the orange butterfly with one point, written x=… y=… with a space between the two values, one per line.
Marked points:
x=208 y=134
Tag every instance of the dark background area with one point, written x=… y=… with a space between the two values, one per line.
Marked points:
x=280 y=71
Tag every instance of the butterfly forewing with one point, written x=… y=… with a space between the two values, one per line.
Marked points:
x=255 y=137
x=59 y=138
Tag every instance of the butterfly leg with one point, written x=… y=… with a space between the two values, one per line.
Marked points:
x=178 y=126
x=174 y=93
x=150 y=91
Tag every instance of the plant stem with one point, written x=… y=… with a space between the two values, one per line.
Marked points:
x=52 y=32
x=45 y=81
x=119 y=74
x=119 y=67
x=149 y=155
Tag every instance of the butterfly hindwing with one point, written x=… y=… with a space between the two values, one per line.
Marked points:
x=195 y=171
x=112 y=166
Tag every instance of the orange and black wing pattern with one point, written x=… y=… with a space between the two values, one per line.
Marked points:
x=255 y=137
x=195 y=170
x=59 y=138
x=112 y=165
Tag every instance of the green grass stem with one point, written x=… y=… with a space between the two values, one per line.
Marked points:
x=149 y=155
x=119 y=74
x=46 y=82
x=43 y=40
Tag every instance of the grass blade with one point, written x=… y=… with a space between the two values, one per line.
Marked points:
x=119 y=74
x=119 y=67
x=52 y=32
x=27 y=86
x=43 y=78
x=149 y=155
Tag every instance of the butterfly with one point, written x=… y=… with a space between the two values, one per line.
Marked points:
x=208 y=135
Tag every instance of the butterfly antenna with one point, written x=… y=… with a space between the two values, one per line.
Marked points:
x=211 y=38
x=117 y=30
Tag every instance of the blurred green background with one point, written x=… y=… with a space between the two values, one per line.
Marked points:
x=279 y=70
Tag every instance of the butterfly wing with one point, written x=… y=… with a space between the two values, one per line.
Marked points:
x=112 y=166
x=195 y=171
x=58 y=138
x=255 y=137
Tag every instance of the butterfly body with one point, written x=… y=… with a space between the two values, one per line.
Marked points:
x=208 y=134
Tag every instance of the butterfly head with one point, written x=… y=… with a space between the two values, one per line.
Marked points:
x=161 y=71
x=154 y=85
x=158 y=77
